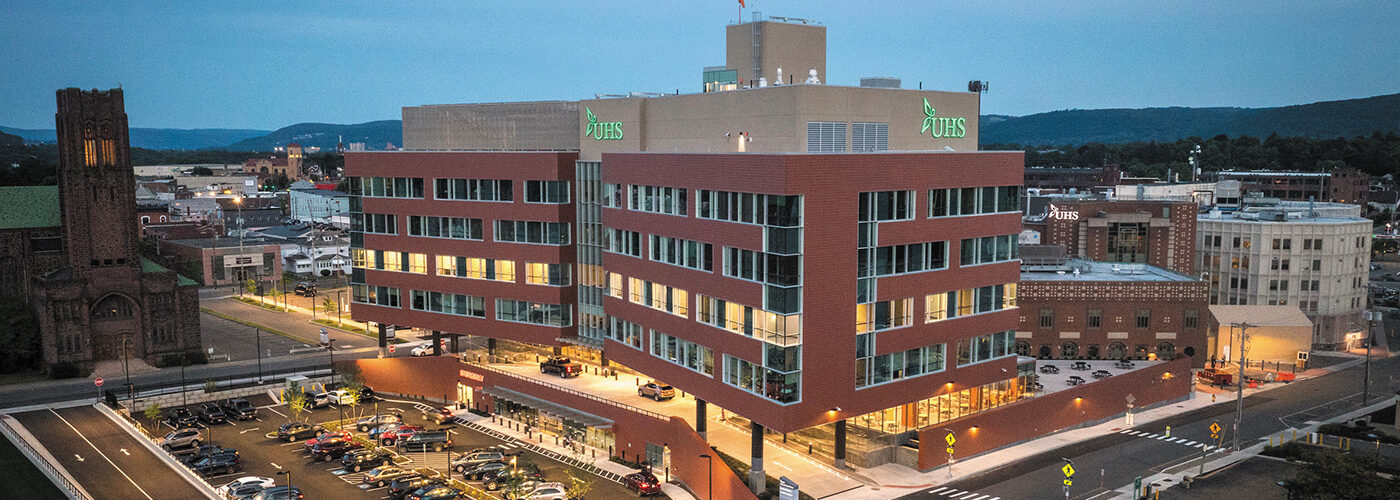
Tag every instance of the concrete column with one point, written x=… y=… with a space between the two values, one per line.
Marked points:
x=491 y=346
x=756 y=476
x=701 y=424
x=383 y=340
x=437 y=343
x=841 y=444
x=456 y=348
x=557 y=350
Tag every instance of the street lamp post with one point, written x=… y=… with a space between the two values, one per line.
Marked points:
x=287 y=473
x=238 y=200
x=339 y=299
x=709 y=466
x=184 y=400
x=330 y=348
x=257 y=334
x=1370 y=335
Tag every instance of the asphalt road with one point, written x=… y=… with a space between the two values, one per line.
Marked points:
x=107 y=461
x=1144 y=450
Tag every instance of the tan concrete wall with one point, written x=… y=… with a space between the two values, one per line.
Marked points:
x=1267 y=343
x=775 y=117
x=540 y=125
x=796 y=48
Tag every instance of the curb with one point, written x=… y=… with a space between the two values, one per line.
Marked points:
x=188 y=475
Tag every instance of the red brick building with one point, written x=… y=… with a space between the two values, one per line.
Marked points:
x=1159 y=233
x=1099 y=310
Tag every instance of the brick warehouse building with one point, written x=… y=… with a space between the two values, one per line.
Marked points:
x=1160 y=233
x=720 y=243
x=79 y=265
x=1095 y=310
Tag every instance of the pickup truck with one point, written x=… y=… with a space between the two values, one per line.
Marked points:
x=564 y=367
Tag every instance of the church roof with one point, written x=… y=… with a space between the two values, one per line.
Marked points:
x=150 y=266
x=29 y=206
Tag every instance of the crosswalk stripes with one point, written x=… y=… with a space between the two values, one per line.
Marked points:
x=1159 y=437
x=958 y=494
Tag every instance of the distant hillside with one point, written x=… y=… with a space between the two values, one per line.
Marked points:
x=374 y=134
x=1330 y=119
x=10 y=139
x=158 y=138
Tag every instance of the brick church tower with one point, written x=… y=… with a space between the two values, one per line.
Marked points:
x=106 y=302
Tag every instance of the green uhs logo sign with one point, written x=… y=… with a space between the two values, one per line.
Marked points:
x=941 y=127
x=602 y=131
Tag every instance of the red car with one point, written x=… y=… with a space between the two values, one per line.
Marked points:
x=329 y=437
x=642 y=483
x=392 y=433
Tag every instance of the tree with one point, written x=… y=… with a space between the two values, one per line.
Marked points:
x=19 y=337
x=578 y=485
x=152 y=413
x=251 y=287
x=328 y=305
x=203 y=171
x=352 y=383
x=1331 y=475
x=297 y=402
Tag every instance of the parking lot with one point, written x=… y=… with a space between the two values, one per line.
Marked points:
x=261 y=455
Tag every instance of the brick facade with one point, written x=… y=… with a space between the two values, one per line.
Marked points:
x=1171 y=230
x=1070 y=303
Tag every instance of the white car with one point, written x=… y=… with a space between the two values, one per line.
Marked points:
x=422 y=350
x=246 y=481
x=337 y=396
x=546 y=491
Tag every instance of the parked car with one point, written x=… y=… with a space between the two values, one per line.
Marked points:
x=222 y=463
x=333 y=451
x=359 y=460
x=298 y=430
x=183 y=438
x=543 y=491
x=528 y=476
x=211 y=413
x=246 y=481
x=406 y=485
x=427 y=440
x=475 y=473
x=656 y=390
x=644 y=484
x=381 y=476
x=239 y=408
x=181 y=417
x=389 y=434
x=447 y=413
x=374 y=421
x=329 y=437
x=202 y=452
x=246 y=492
x=279 y=493
x=477 y=457
x=306 y=289
x=318 y=399
x=420 y=350
x=561 y=366
x=436 y=493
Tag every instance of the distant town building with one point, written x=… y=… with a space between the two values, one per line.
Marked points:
x=1160 y=233
x=1077 y=178
x=1275 y=333
x=1317 y=259
x=317 y=204
x=1341 y=185
x=223 y=261
x=288 y=164
x=73 y=254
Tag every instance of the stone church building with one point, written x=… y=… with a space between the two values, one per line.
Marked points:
x=94 y=296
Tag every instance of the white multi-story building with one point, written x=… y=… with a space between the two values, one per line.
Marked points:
x=1317 y=258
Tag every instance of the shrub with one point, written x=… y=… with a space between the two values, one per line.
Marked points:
x=65 y=370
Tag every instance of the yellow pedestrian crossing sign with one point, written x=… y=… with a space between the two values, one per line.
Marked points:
x=950 y=439
x=950 y=450
x=1069 y=482
x=1069 y=471
x=1214 y=428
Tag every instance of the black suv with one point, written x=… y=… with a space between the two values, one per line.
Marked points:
x=222 y=463
x=203 y=452
x=359 y=460
x=211 y=413
x=181 y=417
x=306 y=288
x=562 y=366
x=427 y=440
x=239 y=408
x=404 y=486
x=333 y=451
x=298 y=430
x=528 y=476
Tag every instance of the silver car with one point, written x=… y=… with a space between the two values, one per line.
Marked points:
x=183 y=438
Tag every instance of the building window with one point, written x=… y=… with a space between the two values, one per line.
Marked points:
x=658 y=296
x=1144 y=318
x=884 y=315
x=626 y=332
x=546 y=191
x=1166 y=350
x=614 y=289
x=969 y=301
x=989 y=249
x=473 y=190
x=521 y=311
x=901 y=259
x=1127 y=242
x=882 y=206
x=386 y=187
x=767 y=382
x=612 y=195
x=683 y=352
x=112 y=307
x=657 y=200
x=1069 y=350
x=683 y=253
x=781 y=270
x=444 y=227
x=749 y=208
x=974 y=201
x=869 y=136
x=417 y=263
x=872 y=369
x=985 y=347
x=374 y=223
x=1047 y=318
x=1094 y=318
x=623 y=242
x=538 y=273
x=536 y=232
x=825 y=137
x=449 y=303
x=375 y=295
x=768 y=326
x=1191 y=320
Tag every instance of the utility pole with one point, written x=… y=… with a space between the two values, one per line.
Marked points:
x=1370 y=334
x=1239 y=384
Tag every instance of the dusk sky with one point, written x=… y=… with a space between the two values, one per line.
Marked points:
x=266 y=65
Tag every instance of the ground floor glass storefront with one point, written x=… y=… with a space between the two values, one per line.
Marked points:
x=554 y=420
x=953 y=405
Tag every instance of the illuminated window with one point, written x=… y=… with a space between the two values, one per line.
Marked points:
x=884 y=315
x=418 y=263
x=539 y=273
x=89 y=146
x=446 y=265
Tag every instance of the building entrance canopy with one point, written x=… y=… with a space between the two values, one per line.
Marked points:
x=558 y=410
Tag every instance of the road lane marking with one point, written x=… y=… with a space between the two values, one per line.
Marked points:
x=99 y=452
x=80 y=457
x=938 y=489
x=277 y=412
x=274 y=464
x=983 y=497
x=124 y=452
x=248 y=430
